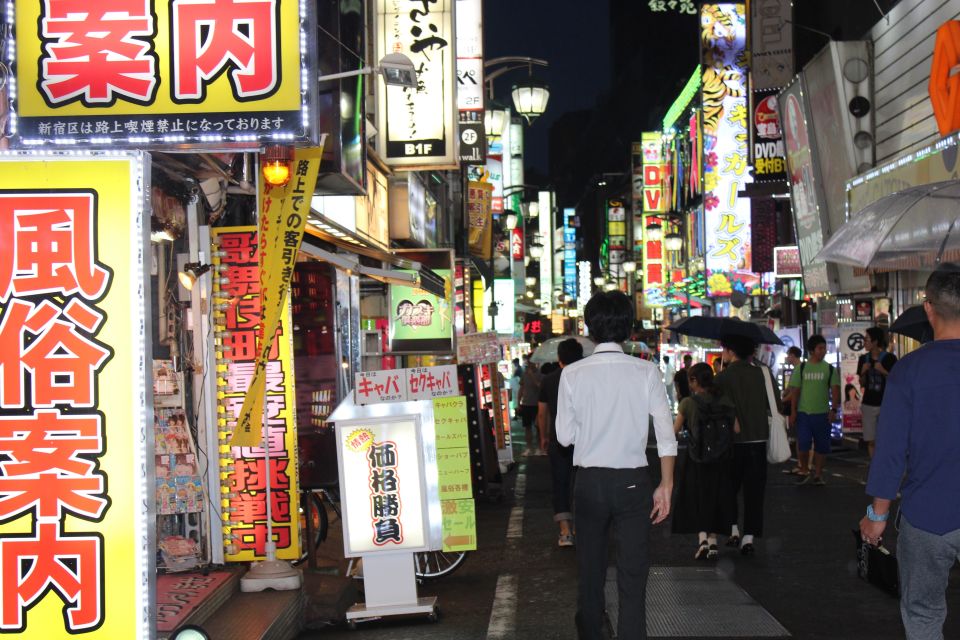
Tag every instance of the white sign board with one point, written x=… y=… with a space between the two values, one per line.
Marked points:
x=401 y=385
x=380 y=465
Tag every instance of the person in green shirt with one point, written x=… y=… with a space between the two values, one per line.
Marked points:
x=815 y=389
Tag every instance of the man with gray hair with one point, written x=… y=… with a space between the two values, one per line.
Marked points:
x=920 y=423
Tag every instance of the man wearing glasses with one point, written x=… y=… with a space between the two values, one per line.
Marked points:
x=920 y=423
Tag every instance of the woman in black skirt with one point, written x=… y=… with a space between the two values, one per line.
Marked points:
x=705 y=499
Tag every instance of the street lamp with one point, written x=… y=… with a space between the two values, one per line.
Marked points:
x=654 y=232
x=494 y=119
x=511 y=221
x=629 y=266
x=530 y=98
x=396 y=68
x=530 y=280
x=535 y=250
x=673 y=242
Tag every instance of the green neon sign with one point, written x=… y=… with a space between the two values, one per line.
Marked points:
x=683 y=100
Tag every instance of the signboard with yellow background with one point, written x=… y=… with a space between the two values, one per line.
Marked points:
x=76 y=407
x=140 y=71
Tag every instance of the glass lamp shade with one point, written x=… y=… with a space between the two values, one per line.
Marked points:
x=535 y=251
x=629 y=266
x=530 y=280
x=533 y=209
x=610 y=286
x=654 y=232
x=530 y=98
x=673 y=242
x=510 y=221
x=599 y=280
x=493 y=121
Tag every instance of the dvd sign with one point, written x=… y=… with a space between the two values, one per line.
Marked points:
x=769 y=159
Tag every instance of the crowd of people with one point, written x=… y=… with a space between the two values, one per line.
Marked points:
x=594 y=416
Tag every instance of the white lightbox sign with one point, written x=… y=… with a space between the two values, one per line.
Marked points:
x=380 y=465
x=545 y=222
x=504 y=293
x=416 y=125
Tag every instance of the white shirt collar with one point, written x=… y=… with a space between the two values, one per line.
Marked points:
x=611 y=347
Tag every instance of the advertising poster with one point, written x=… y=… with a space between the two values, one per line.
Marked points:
x=76 y=431
x=380 y=478
x=416 y=124
x=726 y=150
x=852 y=343
x=480 y=219
x=245 y=527
x=130 y=74
x=768 y=158
x=804 y=188
x=421 y=322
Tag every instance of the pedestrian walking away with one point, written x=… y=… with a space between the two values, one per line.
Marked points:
x=604 y=407
x=873 y=367
x=815 y=389
x=561 y=458
x=529 y=398
x=681 y=379
x=793 y=359
x=705 y=499
x=920 y=423
x=743 y=382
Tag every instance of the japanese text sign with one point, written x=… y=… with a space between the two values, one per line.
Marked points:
x=416 y=124
x=400 y=385
x=421 y=322
x=245 y=523
x=74 y=442
x=130 y=72
x=380 y=466
x=654 y=200
x=726 y=145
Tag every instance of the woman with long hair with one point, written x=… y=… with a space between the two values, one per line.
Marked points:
x=705 y=498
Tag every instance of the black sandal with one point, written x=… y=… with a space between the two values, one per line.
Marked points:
x=713 y=553
x=703 y=551
x=733 y=541
x=747 y=549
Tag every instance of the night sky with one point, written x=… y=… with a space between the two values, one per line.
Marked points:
x=572 y=35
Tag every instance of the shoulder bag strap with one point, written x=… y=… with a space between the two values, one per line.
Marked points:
x=771 y=401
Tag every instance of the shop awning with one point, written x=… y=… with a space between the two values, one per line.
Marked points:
x=421 y=277
x=913 y=229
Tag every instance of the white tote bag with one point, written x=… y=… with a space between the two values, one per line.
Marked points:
x=778 y=447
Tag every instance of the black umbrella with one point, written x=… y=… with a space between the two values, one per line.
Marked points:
x=715 y=328
x=913 y=323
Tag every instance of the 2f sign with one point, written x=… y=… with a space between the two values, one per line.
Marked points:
x=653 y=189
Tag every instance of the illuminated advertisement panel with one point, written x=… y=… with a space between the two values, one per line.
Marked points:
x=569 y=254
x=381 y=482
x=422 y=322
x=545 y=200
x=244 y=514
x=416 y=124
x=726 y=147
x=140 y=71
x=75 y=494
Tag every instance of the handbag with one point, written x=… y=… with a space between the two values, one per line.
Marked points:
x=778 y=447
x=877 y=565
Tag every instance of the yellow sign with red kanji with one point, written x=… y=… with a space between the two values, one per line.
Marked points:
x=245 y=512
x=74 y=498
x=129 y=72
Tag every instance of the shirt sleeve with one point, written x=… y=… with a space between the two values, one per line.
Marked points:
x=893 y=435
x=566 y=425
x=795 y=378
x=662 y=418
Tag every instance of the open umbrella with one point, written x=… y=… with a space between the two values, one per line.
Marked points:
x=913 y=323
x=715 y=328
x=912 y=229
x=547 y=351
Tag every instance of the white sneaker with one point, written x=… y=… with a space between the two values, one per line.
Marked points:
x=566 y=540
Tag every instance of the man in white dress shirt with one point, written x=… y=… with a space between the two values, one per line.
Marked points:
x=604 y=408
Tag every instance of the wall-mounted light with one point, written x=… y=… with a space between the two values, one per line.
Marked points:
x=510 y=220
x=535 y=250
x=673 y=242
x=530 y=280
x=275 y=163
x=654 y=232
x=629 y=266
x=191 y=273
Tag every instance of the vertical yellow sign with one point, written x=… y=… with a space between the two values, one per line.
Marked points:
x=73 y=435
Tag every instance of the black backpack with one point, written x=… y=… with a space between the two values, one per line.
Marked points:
x=711 y=437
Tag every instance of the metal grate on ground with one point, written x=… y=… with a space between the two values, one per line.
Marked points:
x=694 y=602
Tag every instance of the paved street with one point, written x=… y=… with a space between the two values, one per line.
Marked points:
x=520 y=585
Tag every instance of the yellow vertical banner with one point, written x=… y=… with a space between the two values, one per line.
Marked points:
x=283 y=218
x=238 y=327
x=455 y=480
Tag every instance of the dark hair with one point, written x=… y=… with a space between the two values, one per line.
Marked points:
x=569 y=351
x=795 y=351
x=879 y=336
x=815 y=341
x=609 y=316
x=666 y=359
x=846 y=391
x=742 y=346
x=687 y=357
x=549 y=367
x=943 y=291
x=703 y=374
